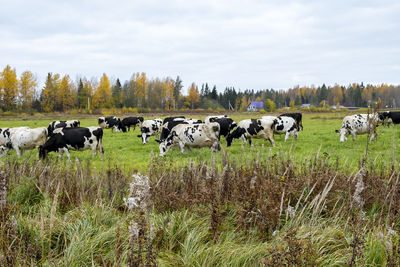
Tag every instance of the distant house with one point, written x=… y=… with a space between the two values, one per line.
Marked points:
x=255 y=106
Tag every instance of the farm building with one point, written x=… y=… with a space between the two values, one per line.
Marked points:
x=255 y=106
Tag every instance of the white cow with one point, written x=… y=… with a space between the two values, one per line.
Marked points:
x=359 y=124
x=149 y=128
x=192 y=135
x=6 y=133
x=24 y=139
x=285 y=125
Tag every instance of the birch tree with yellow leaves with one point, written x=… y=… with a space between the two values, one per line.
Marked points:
x=194 y=95
x=8 y=88
x=27 y=89
x=102 y=96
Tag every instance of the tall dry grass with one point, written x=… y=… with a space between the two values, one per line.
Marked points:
x=308 y=213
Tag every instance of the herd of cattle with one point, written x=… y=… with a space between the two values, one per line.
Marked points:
x=62 y=136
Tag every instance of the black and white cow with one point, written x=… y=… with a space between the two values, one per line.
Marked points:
x=168 y=119
x=208 y=119
x=285 y=125
x=359 y=124
x=390 y=117
x=25 y=139
x=6 y=133
x=167 y=127
x=62 y=124
x=298 y=117
x=132 y=121
x=149 y=128
x=252 y=128
x=112 y=122
x=65 y=139
x=192 y=135
x=226 y=124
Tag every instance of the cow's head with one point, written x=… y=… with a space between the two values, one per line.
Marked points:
x=343 y=134
x=42 y=152
x=167 y=143
x=229 y=139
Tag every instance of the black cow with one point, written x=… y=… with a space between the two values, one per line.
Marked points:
x=81 y=138
x=298 y=117
x=226 y=125
x=132 y=121
x=390 y=117
x=168 y=119
x=111 y=122
x=62 y=124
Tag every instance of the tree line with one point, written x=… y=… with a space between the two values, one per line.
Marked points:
x=61 y=93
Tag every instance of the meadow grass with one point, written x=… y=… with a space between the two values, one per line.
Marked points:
x=290 y=205
x=318 y=136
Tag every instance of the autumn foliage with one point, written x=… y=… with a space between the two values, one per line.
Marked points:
x=59 y=93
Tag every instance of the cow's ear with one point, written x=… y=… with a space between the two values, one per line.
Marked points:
x=139 y=136
x=158 y=141
x=336 y=131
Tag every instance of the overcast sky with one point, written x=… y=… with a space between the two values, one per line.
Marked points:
x=245 y=44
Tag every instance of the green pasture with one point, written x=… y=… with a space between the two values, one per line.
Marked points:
x=127 y=151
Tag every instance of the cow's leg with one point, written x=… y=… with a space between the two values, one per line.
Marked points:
x=287 y=135
x=249 y=140
x=353 y=134
x=60 y=152
x=67 y=153
x=19 y=152
x=182 y=146
x=271 y=139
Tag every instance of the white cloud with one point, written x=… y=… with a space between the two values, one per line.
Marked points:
x=251 y=44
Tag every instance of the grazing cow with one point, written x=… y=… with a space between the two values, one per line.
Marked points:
x=226 y=125
x=62 y=124
x=359 y=124
x=298 y=117
x=168 y=119
x=285 y=125
x=132 y=121
x=208 y=119
x=65 y=139
x=149 y=128
x=192 y=121
x=252 y=128
x=112 y=122
x=390 y=117
x=6 y=133
x=268 y=118
x=167 y=127
x=24 y=139
x=192 y=135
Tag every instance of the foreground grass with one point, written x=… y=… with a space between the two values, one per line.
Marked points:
x=270 y=212
x=126 y=150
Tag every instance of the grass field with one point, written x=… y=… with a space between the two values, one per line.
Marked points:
x=302 y=203
x=127 y=151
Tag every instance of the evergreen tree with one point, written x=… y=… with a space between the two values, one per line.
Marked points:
x=214 y=93
x=116 y=94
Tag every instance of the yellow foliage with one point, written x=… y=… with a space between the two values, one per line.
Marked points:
x=102 y=96
x=9 y=88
